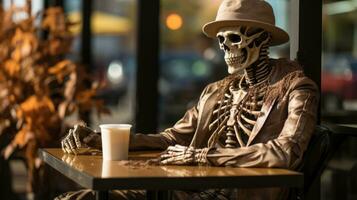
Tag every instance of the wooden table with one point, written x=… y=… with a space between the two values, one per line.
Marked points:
x=94 y=173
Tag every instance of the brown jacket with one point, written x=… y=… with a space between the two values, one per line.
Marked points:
x=279 y=138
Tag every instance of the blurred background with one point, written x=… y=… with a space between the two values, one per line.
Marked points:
x=189 y=60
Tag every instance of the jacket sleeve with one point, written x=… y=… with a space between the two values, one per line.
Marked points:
x=287 y=149
x=181 y=133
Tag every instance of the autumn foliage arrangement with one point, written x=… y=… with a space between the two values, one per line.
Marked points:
x=39 y=87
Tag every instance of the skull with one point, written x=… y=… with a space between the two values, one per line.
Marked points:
x=241 y=46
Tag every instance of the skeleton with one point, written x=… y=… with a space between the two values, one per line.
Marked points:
x=235 y=114
x=228 y=126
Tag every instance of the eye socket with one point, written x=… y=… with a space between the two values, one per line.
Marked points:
x=234 y=38
x=220 y=38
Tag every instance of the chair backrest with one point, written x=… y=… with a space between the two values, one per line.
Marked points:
x=316 y=156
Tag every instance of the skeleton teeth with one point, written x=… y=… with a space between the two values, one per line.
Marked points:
x=233 y=60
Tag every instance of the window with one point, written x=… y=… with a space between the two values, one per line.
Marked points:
x=113 y=54
x=339 y=61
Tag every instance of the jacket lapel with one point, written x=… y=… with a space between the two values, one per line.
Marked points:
x=266 y=108
x=204 y=115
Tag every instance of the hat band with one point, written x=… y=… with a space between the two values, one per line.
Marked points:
x=232 y=16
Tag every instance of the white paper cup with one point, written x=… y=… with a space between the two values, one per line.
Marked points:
x=115 y=141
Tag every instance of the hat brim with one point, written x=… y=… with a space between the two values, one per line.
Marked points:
x=279 y=36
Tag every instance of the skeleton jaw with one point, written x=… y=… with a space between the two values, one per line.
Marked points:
x=236 y=61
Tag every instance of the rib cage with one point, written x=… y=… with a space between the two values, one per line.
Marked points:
x=237 y=120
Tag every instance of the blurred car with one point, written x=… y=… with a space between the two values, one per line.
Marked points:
x=338 y=81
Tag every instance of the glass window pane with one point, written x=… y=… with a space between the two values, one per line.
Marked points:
x=113 y=40
x=339 y=61
x=113 y=52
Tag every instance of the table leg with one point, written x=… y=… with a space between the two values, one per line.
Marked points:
x=101 y=195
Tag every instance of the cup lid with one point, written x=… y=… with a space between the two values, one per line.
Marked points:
x=115 y=126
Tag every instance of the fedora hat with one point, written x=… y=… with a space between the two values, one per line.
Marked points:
x=253 y=13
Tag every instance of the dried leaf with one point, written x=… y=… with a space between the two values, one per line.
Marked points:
x=54 y=20
x=36 y=110
x=22 y=137
x=12 y=67
x=62 y=69
x=24 y=43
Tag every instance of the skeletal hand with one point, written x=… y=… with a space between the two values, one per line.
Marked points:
x=81 y=140
x=182 y=155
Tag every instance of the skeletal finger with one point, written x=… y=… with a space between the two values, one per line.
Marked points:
x=163 y=156
x=63 y=147
x=175 y=149
x=67 y=147
x=186 y=159
x=167 y=161
x=71 y=145
x=167 y=156
x=75 y=135
x=173 y=153
x=172 y=160
x=180 y=146
x=178 y=153
x=181 y=151
x=171 y=148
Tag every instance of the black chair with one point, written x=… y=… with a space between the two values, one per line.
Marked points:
x=314 y=162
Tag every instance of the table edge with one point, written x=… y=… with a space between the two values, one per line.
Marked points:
x=85 y=179
x=163 y=183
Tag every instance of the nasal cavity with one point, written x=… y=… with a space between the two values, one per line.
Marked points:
x=226 y=48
